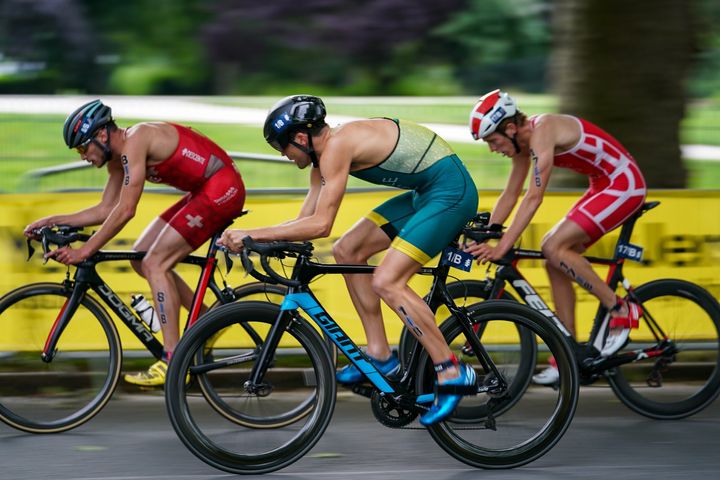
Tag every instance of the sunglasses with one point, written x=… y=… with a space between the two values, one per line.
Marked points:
x=278 y=146
x=83 y=147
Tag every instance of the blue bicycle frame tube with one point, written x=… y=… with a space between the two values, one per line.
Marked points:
x=309 y=304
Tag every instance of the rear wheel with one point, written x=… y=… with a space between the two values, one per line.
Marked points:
x=685 y=380
x=538 y=418
x=59 y=395
x=516 y=353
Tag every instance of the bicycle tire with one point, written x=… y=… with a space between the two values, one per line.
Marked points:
x=690 y=315
x=470 y=291
x=465 y=292
x=231 y=447
x=536 y=423
x=40 y=397
x=275 y=294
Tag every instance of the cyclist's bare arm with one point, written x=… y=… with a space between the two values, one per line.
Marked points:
x=509 y=197
x=330 y=181
x=94 y=215
x=132 y=168
x=542 y=153
x=310 y=202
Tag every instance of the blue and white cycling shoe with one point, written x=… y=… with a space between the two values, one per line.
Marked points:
x=448 y=395
x=350 y=374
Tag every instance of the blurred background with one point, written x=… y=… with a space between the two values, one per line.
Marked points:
x=646 y=71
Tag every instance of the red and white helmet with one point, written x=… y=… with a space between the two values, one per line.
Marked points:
x=489 y=111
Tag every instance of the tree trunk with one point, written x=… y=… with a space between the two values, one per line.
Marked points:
x=622 y=65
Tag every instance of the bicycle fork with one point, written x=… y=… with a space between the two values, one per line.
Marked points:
x=66 y=313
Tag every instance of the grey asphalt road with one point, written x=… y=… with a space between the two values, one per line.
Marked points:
x=132 y=440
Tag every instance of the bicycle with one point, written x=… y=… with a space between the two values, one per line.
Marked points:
x=293 y=366
x=670 y=367
x=55 y=379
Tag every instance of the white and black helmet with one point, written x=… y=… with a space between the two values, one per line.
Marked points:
x=489 y=111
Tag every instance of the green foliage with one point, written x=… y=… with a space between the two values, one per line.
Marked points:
x=29 y=142
x=499 y=43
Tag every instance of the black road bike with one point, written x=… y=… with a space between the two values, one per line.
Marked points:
x=669 y=369
x=288 y=379
x=60 y=352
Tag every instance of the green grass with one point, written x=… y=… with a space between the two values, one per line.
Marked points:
x=29 y=142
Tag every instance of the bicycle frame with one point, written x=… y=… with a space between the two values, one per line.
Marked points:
x=302 y=298
x=586 y=353
x=87 y=278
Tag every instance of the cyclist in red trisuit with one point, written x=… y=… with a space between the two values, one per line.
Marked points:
x=617 y=190
x=161 y=153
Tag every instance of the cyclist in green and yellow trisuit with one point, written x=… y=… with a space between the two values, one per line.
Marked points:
x=413 y=227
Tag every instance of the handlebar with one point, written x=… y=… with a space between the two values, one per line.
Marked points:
x=60 y=235
x=273 y=249
x=481 y=231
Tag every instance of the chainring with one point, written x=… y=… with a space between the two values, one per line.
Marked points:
x=388 y=413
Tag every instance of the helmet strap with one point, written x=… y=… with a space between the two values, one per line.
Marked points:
x=513 y=139
x=107 y=152
x=309 y=150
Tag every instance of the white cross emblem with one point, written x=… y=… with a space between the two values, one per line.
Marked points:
x=195 y=221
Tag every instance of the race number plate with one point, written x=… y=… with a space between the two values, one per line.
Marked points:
x=630 y=251
x=457 y=259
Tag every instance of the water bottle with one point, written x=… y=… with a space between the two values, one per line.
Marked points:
x=146 y=312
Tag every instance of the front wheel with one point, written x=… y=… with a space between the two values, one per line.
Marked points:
x=683 y=320
x=56 y=396
x=293 y=402
x=536 y=421
x=265 y=292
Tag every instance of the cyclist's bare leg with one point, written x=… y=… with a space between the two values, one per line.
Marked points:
x=563 y=293
x=561 y=247
x=143 y=244
x=390 y=282
x=167 y=250
x=362 y=241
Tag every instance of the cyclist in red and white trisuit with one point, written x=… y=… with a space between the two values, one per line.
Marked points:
x=161 y=153
x=617 y=190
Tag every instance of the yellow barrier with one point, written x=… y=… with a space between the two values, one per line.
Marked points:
x=681 y=239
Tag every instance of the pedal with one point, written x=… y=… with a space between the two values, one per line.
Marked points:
x=364 y=390
x=655 y=379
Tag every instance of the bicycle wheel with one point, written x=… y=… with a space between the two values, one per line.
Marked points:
x=295 y=404
x=40 y=397
x=463 y=292
x=266 y=292
x=538 y=418
x=675 y=385
x=255 y=291
x=258 y=291
x=518 y=362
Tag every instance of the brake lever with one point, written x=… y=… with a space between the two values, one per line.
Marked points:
x=228 y=260
x=46 y=249
x=31 y=249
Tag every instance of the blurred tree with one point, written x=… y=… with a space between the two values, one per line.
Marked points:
x=52 y=44
x=154 y=48
x=624 y=66
x=498 y=43
x=705 y=81
x=321 y=41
